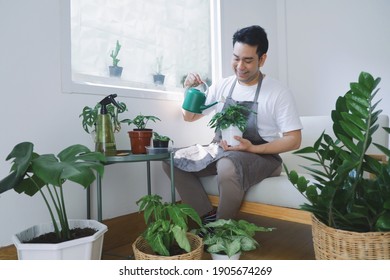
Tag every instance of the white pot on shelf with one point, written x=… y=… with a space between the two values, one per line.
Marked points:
x=229 y=133
x=225 y=257
x=86 y=248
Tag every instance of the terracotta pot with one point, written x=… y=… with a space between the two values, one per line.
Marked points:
x=139 y=140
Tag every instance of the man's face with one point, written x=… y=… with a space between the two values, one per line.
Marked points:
x=246 y=63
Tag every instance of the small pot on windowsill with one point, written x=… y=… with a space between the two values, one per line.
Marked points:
x=158 y=79
x=115 y=71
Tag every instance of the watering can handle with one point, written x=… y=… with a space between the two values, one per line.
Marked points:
x=206 y=86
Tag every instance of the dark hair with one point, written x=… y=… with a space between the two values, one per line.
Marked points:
x=254 y=36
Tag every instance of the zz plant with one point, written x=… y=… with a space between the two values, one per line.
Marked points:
x=340 y=193
x=46 y=174
x=167 y=224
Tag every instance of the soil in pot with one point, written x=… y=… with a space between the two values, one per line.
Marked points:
x=51 y=237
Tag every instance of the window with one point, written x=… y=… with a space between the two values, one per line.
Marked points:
x=170 y=37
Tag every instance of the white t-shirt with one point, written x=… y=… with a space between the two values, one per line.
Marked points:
x=277 y=111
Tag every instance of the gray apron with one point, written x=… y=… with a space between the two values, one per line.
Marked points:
x=251 y=168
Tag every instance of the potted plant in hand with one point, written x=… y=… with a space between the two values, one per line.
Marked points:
x=46 y=174
x=231 y=121
x=350 y=210
x=166 y=236
x=115 y=70
x=141 y=136
x=226 y=239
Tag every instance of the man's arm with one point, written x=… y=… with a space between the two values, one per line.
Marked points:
x=290 y=141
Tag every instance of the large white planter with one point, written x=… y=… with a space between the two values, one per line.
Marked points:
x=86 y=248
x=225 y=257
x=229 y=133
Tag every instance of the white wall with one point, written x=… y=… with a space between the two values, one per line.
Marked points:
x=317 y=47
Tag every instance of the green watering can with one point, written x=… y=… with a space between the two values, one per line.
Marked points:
x=195 y=99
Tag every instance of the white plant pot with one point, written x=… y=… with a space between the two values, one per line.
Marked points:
x=86 y=248
x=225 y=257
x=229 y=133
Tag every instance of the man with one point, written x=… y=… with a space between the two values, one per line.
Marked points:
x=273 y=127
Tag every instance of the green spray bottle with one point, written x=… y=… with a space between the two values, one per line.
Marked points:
x=105 y=140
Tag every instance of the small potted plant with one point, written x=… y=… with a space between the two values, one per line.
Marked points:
x=89 y=117
x=226 y=239
x=46 y=174
x=167 y=236
x=160 y=141
x=231 y=121
x=115 y=70
x=344 y=202
x=158 y=77
x=141 y=136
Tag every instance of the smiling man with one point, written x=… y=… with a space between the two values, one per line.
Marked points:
x=273 y=127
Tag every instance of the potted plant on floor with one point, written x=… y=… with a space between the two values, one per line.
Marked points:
x=141 y=136
x=231 y=121
x=46 y=174
x=351 y=211
x=166 y=236
x=227 y=239
x=114 y=69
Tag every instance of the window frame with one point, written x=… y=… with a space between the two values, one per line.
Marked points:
x=70 y=86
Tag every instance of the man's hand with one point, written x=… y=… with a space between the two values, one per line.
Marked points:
x=192 y=80
x=244 y=145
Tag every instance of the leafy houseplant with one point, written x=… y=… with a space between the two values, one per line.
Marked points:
x=229 y=237
x=141 y=136
x=233 y=117
x=160 y=141
x=115 y=70
x=31 y=173
x=341 y=196
x=167 y=226
x=89 y=116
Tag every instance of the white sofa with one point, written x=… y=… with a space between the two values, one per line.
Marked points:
x=276 y=197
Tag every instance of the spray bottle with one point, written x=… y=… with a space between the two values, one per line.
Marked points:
x=105 y=141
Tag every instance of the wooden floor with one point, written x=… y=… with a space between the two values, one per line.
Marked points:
x=290 y=241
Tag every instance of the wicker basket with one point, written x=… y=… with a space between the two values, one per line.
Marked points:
x=142 y=250
x=335 y=244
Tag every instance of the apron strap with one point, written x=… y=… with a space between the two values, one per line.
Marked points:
x=257 y=89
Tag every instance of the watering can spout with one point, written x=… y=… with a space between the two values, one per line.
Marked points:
x=204 y=107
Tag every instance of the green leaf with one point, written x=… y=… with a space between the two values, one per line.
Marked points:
x=383 y=222
x=181 y=238
x=233 y=247
x=22 y=154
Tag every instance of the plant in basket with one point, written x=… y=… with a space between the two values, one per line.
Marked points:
x=340 y=193
x=167 y=230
